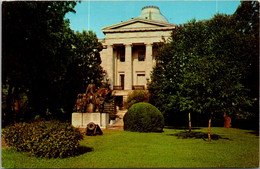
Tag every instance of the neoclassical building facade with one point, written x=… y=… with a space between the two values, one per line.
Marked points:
x=129 y=48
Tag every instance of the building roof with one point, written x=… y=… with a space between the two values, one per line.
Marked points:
x=152 y=13
x=150 y=20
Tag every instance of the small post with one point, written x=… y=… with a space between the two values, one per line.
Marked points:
x=189 y=123
x=209 y=137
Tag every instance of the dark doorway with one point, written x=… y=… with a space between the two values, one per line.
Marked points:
x=122 y=81
x=119 y=102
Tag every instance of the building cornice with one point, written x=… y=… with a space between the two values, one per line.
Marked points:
x=138 y=30
x=105 y=40
x=116 y=27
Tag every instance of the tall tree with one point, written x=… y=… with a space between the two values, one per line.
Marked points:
x=202 y=69
x=31 y=36
x=42 y=58
x=247 y=23
x=84 y=66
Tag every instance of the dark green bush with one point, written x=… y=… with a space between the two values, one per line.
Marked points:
x=143 y=117
x=135 y=97
x=44 y=138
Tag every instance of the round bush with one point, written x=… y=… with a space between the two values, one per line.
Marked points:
x=143 y=117
x=44 y=138
x=135 y=97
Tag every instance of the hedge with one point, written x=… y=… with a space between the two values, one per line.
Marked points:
x=44 y=138
x=143 y=117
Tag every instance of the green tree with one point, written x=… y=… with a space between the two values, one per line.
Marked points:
x=136 y=96
x=32 y=35
x=247 y=23
x=202 y=69
x=45 y=64
x=84 y=66
x=87 y=56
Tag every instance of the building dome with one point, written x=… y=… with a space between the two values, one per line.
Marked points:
x=152 y=13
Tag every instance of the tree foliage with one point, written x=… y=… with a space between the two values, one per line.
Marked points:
x=202 y=67
x=45 y=64
x=41 y=138
x=247 y=23
x=143 y=117
x=136 y=96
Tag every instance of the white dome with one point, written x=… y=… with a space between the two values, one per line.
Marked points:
x=152 y=13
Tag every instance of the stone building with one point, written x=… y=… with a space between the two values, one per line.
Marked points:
x=129 y=48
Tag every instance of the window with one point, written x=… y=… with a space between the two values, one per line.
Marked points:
x=122 y=80
x=121 y=53
x=122 y=56
x=141 y=79
x=141 y=56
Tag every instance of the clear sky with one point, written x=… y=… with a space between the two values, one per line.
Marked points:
x=94 y=15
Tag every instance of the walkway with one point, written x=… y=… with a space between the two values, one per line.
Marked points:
x=119 y=124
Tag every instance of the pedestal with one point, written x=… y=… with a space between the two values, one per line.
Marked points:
x=81 y=120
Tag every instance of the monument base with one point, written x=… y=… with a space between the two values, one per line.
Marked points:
x=81 y=120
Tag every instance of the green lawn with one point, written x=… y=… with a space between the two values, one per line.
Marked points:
x=173 y=148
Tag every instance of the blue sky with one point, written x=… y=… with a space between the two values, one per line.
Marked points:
x=94 y=15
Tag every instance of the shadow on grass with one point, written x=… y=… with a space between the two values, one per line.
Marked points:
x=255 y=132
x=83 y=149
x=197 y=135
x=185 y=128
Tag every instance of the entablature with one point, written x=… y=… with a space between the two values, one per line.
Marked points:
x=138 y=25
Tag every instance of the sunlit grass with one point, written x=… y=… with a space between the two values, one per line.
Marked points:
x=123 y=149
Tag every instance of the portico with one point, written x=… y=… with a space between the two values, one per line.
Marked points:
x=129 y=47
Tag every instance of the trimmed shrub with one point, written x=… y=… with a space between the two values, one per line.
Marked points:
x=143 y=117
x=135 y=97
x=44 y=138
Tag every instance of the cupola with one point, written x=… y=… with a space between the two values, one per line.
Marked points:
x=152 y=13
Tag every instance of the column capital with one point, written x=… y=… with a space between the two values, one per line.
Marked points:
x=128 y=44
x=148 y=44
x=110 y=46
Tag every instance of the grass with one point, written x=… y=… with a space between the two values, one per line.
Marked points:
x=174 y=148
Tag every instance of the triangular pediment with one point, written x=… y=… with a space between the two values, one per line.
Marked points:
x=137 y=24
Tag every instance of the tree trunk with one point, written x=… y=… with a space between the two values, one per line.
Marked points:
x=8 y=117
x=16 y=106
x=209 y=138
x=227 y=122
x=16 y=109
x=189 y=123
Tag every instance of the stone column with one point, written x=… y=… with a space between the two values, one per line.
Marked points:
x=115 y=68
x=129 y=67
x=149 y=59
x=110 y=66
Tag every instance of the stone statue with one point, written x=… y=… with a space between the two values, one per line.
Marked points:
x=99 y=102
x=93 y=100
x=90 y=92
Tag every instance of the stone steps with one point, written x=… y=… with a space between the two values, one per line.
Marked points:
x=119 y=120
